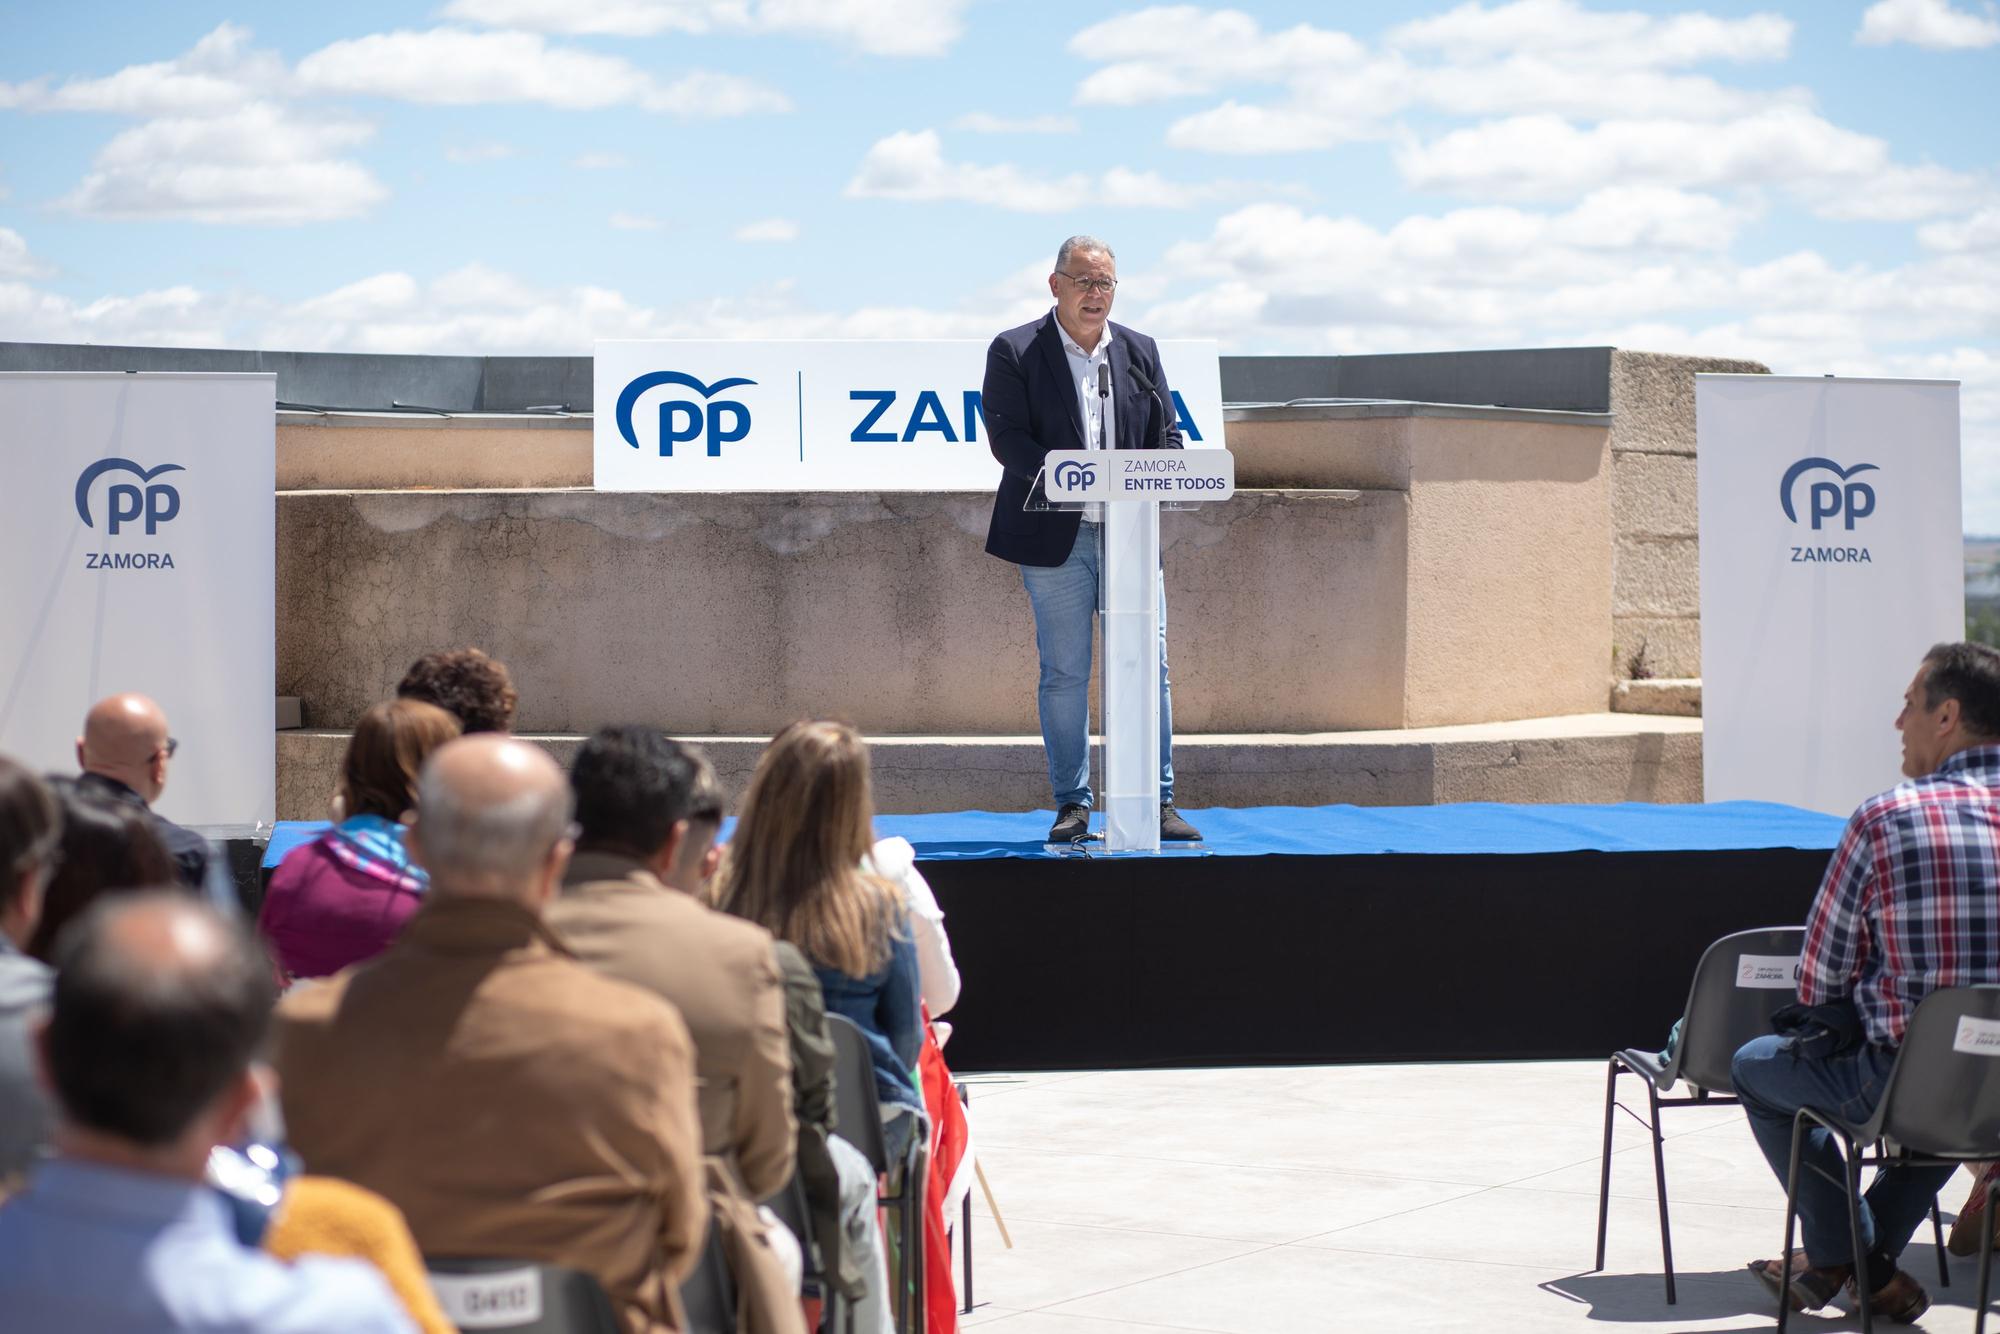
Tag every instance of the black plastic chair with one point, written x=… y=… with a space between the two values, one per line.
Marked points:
x=1941 y=1107
x=789 y=1204
x=858 y=1120
x=708 y=1294
x=1735 y=989
x=521 y=1297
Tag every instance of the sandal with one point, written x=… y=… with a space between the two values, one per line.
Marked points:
x=1902 y=1299
x=1809 y=1288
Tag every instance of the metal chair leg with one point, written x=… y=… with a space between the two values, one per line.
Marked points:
x=1604 y=1169
x=1660 y=1189
x=1986 y=1253
x=1791 y=1219
x=965 y=1230
x=1937 y=1234
x=1852 y=1153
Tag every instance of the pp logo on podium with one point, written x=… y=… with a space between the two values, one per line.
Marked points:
x=1072 y=476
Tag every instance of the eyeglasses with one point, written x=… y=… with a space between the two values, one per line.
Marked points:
x=1101 y=286
x=169 y=749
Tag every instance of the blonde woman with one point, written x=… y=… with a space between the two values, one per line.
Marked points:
x=797 y=866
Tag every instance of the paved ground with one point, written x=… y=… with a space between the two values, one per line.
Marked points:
x=1369 y=1198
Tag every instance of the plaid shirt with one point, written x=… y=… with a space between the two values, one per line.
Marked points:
x=1911 y=899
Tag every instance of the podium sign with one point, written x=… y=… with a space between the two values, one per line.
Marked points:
x=1167 y=476
x=138 y=533
x=1831 y=558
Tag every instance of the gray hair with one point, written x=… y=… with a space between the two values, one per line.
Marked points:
x=1076 y=243
x=507 y=839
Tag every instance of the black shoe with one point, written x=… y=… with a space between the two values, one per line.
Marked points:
x=1173 y=828
x=1072 y=823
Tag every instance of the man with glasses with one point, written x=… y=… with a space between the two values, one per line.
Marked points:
x=1073 y=380
x=123 y=753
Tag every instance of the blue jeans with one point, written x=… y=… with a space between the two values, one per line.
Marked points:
x=1774 y=1084
x=1065 y=601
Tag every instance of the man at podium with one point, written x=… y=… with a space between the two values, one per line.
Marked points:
x=1073 y=380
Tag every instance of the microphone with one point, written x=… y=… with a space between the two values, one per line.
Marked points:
x=1166 y=412
x=1103 y=397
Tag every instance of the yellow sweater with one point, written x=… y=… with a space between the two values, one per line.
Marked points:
x=325 y=1216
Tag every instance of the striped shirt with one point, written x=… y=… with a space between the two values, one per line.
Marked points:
x=1911 y=899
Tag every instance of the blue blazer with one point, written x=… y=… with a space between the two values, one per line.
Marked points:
x=1030 y=404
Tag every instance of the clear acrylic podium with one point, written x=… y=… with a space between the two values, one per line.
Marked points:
x=1133 y=486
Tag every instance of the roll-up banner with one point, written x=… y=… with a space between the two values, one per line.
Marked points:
x=1831 y=559
x=137 y=533
x=825 y=416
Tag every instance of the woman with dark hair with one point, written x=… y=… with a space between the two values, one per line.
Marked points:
x=107 y=845
x=345 y=895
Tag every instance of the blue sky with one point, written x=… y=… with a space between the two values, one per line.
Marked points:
x=1812 y=184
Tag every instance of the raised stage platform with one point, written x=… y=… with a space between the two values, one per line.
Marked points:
x=1306 y=935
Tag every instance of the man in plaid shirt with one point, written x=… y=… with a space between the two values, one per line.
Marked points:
x=1910 y=903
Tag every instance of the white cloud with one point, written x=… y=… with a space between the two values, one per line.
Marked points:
x=634 y=222
x=1176 y=50
x=1981 y=231
x=1936 y=24
x=454 y=67
x=170 y=317
x=769 y=229
x=911 y=165
x=258 y=164
x=486 y=152
x=878 y=27
x=1837 y=172
x=981 y=122
x=598 y=162
x=15 y=261
x=1565 y=28
x=215 y=76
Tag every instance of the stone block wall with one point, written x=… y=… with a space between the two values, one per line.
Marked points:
x=1656 y=589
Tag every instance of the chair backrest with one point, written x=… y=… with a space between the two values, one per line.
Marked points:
x=521 y=1297
x=708 y=1295
x=1944 y=1094
x=1740 y=980
x=857 y=1109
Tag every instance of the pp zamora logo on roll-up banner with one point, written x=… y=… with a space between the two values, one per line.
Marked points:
x=1830 y=558
x=140 y=503
x=829 y=416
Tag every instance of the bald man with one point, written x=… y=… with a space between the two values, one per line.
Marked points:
x=123 y=753
x=160 y=1005
x=509 y=1099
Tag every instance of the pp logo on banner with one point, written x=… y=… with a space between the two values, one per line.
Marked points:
x=682 y=420
x=125 y=502
x=1828 y=498
x=1072 y=476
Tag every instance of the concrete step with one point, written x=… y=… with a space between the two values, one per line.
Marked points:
x=1600 y=757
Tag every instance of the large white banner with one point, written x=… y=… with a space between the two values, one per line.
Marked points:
x=1831 y=559
x=824 y=416
x=137 y=533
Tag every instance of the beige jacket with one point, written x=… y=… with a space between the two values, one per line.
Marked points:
x=511 y=1101
x=719 y=972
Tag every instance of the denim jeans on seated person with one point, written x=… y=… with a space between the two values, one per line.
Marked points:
x=1773 y=1083
x=1065 y=601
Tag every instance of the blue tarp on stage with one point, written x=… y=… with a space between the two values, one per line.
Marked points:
x=1346 y=831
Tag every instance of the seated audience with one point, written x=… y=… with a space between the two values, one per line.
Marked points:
x=465 y=683
x=508 y=1099
x=159 y=1007
x=30 y=829
x=123 y=753
x=345 y=895
x=795 y=866
x=1909 y=904
x=107 y=845
x=626 y=910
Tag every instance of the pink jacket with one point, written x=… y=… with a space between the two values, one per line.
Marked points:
x=327 y=908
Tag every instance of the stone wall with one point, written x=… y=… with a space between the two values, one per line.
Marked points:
x=1656 y=599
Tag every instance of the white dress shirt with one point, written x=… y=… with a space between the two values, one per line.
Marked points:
x=1100 y=425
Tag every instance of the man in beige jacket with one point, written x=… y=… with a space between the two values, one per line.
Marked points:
x=510 y=1100
x=623 y=913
